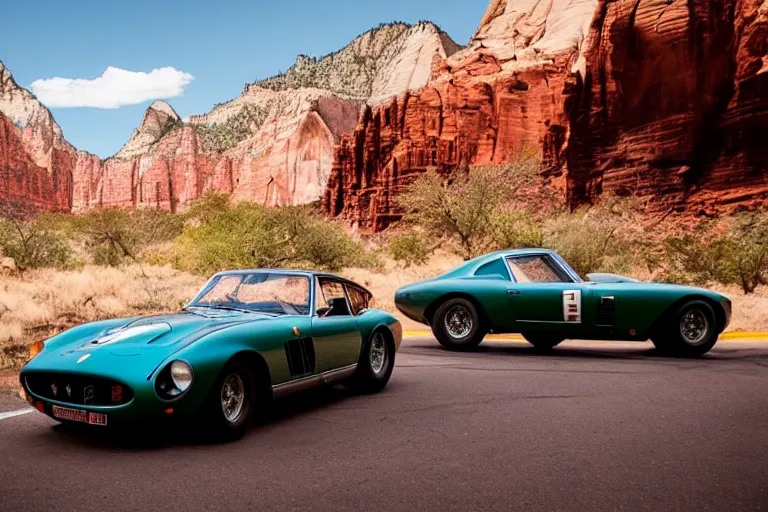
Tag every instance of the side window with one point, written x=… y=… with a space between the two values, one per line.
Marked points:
x=358 y=299
x=537 y=269
x=331 y=300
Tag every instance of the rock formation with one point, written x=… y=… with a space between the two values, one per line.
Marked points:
x=659 y=98
x=273 y=144
x=35 y=161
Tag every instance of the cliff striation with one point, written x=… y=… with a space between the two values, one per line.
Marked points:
x=35 y=161
x=273 y=144
x=664 y=99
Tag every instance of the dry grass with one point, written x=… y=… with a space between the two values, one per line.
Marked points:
x=42 y=303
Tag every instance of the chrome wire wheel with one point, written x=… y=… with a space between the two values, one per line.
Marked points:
x=379 y=354
x=232 y=397
x=458 y=322
x=694 y=327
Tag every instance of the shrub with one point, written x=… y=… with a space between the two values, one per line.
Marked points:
x=461 y=206
x=34 y=244
x=207 y=207
x=112 y=234
x=409 y=248
x=737 y=255
x=590 y=240
x=515 y=230
x=249 y=235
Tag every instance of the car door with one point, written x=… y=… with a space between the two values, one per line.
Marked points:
x=543 y=296
x=336 y=336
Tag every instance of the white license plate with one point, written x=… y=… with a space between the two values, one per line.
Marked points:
x=92 y=418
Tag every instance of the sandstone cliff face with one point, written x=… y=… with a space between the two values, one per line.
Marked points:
x=656 y=98
x=35 y=160
x=274 y=143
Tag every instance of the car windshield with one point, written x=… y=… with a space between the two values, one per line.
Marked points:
x=258 y=292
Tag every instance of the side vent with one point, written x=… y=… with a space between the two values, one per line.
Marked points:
x=606 y=311
x=301 y=356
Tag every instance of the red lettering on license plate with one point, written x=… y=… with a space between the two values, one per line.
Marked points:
x=92 y=418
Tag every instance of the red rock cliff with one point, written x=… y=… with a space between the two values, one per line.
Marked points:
x=35 y=161
x=659 y=98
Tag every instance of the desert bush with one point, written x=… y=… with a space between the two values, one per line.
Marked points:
x=461 y=206
x=207 y=207
x=592 y=240
x=515 y=230
x=249 y=235
x=113 y=235
x=35 y=243
x=410 y=248
x=737 y=254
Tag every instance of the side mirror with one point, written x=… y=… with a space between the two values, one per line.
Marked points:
x=323 y=311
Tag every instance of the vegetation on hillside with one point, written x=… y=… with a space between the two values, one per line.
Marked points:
x=349 y=71
x=222 y=136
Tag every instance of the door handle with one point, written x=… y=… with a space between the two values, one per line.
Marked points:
x=513 y=292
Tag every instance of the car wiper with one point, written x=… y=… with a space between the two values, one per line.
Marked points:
x=222 y=308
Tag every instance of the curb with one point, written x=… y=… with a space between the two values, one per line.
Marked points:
x=727 y=336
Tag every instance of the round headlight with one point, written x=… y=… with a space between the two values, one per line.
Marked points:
x=181 y=373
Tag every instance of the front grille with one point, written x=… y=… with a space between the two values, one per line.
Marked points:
x=78 y=389
x=606 y=311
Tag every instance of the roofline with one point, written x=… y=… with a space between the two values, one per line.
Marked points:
x=296 y=272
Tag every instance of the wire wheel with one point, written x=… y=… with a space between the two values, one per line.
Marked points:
x=458 y=322
x=232 y=397
x=379 y=356
x=694 y=327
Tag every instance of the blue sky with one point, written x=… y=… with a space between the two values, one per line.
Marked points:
x=224 y=44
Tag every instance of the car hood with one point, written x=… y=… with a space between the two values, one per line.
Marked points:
x=142 y=342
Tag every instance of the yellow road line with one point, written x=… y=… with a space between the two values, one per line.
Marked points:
x=727 y=336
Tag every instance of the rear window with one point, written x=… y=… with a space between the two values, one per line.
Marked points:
x=359 y=299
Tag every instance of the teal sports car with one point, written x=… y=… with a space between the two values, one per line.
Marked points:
x=534 y=292
x=249 y=335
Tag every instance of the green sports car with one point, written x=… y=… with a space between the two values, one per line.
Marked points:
x=536 y=293
x=248 y=335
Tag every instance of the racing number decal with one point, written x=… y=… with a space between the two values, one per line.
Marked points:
x=572 y=306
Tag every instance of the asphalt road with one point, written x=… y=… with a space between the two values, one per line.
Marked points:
x=592 y=427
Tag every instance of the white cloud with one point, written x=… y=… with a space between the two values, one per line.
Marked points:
x=114 y=88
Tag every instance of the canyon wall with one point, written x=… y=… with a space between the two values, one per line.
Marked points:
x=273 y=144
x=35 y=161
x=662 y=99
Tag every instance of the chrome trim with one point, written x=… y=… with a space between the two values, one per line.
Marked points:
x=313 y=381
x=509 y=269
x=566 y=267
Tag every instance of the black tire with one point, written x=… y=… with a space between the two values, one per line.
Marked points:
x=228 y=426
x=661 y=342
x=543 y=341
x=374 y=368
x=457 y=325
x=691 y=331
